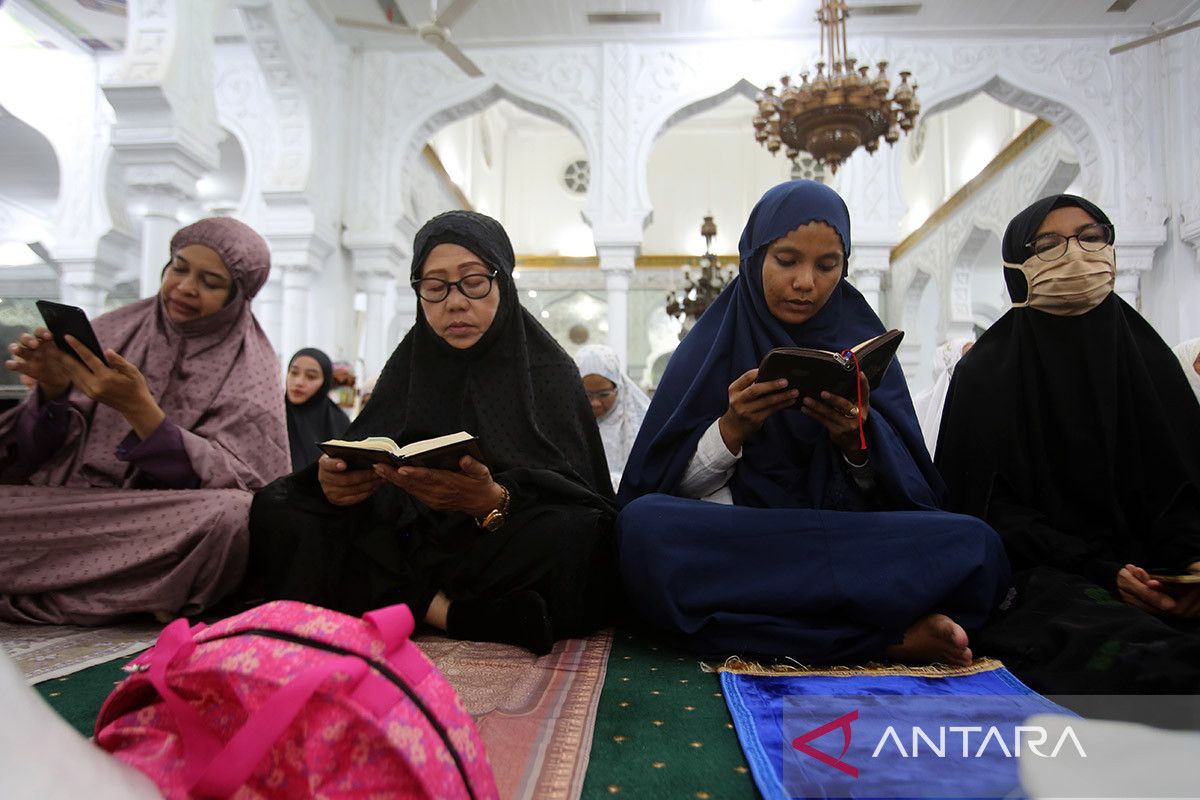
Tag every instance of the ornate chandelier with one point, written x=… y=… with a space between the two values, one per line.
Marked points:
x=839 y=111
x=701 y=286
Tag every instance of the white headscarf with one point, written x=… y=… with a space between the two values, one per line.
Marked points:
x=1187 y=352
x=928 y=404
x=619 y=427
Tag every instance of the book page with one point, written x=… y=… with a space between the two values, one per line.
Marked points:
x=432 y=444
x=381 y=443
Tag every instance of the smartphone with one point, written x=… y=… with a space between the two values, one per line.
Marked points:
x=62 y=320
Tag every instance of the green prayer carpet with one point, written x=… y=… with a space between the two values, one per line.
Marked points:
x=78 y=697
x=662 y=728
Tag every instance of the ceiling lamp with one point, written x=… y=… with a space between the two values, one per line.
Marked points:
x=839 y=110
x=702 y=286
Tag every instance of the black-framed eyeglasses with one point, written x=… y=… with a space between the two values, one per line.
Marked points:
x=475 y=287
x=1053 y=246
x=603 y=394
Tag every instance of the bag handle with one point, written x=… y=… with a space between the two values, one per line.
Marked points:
x=233 y=765
x=395 y=625
x=200 y=745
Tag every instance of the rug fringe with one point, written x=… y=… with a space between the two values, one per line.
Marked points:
x=737 y=665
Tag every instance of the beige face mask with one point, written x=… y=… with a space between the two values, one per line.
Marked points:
x=1070 y=286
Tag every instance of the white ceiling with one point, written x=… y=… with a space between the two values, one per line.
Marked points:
x=510 y=22
x=547 y=21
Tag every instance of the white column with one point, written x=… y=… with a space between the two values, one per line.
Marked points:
x=909 y=355
x=165 y=131
x=376 y=347
x=87 y=278
x=297 y=281
x=160 y=206
x=377 y=268
x=617 y=263
x=268 y=309
x=80 y=285
x=869 y=263
x=1132 y=261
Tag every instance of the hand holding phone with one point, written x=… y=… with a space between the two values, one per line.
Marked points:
x=62 y=320
x=36 y=359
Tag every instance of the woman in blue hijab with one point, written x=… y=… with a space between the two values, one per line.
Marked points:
x=819 y=548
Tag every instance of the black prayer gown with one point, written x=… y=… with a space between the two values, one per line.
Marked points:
x=1078 y=439
x=520 y=393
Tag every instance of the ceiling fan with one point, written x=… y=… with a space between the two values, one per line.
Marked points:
x=1154 y=37
x=435 y=32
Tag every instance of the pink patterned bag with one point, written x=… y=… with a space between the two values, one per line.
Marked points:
x=289 y=700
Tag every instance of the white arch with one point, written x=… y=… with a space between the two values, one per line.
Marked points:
x=29 y=217
x=469 y=99
x=682 y=108
x=1031 y=94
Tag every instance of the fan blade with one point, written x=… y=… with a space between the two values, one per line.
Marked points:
x=372 y=26
x=452 y=13
x=457 y=56
x=392 y=12
x=1121 y=48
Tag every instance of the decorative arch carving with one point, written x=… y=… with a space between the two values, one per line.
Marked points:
x=678 y=110
x=1048 y=97
x=480 y=101
x=291 y=158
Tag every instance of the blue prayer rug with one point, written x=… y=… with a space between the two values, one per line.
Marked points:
x=889 y=731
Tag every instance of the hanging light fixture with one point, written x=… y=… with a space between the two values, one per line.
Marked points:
x=839 y=110
x=703 y=281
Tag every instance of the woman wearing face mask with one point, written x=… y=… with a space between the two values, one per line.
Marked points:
x=821 y=550
x=518 y=551
x=1071 y=429
x=129 y=484
x=311 y=416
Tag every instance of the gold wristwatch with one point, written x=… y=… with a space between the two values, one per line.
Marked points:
x=495 y=518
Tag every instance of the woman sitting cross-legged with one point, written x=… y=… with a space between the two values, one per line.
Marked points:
x=128 y=484
x=822 y=550
x=520 y=550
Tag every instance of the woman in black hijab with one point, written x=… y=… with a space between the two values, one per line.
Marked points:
x=1070 y=428
x=311 y=416
x=518 y=551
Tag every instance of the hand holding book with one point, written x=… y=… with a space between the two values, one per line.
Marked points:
x=1173 y=593
x=470 y=490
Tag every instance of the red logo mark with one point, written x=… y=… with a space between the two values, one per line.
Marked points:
x=843 y=722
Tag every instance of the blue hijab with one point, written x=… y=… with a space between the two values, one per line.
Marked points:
x=789 y=462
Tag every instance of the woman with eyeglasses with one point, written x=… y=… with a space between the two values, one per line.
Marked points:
x=517 y=550
x=618 y=403
x=1070 y=428
x=128 y=483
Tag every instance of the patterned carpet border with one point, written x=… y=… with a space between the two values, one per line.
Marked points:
x=536 y=715
x=45 y=652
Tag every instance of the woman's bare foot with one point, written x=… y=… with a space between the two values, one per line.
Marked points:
x=933 y=638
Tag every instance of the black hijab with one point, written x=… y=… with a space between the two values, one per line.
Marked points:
x=1085 y=421
x=316 y=419
x=515 y=388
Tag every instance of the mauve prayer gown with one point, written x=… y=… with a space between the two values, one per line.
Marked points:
x=98 y=524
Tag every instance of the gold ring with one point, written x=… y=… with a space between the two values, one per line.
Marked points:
x=853 y=412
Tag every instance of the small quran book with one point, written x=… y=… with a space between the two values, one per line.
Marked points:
x=813 y=371
x=442 y=452
x=1185 y=578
